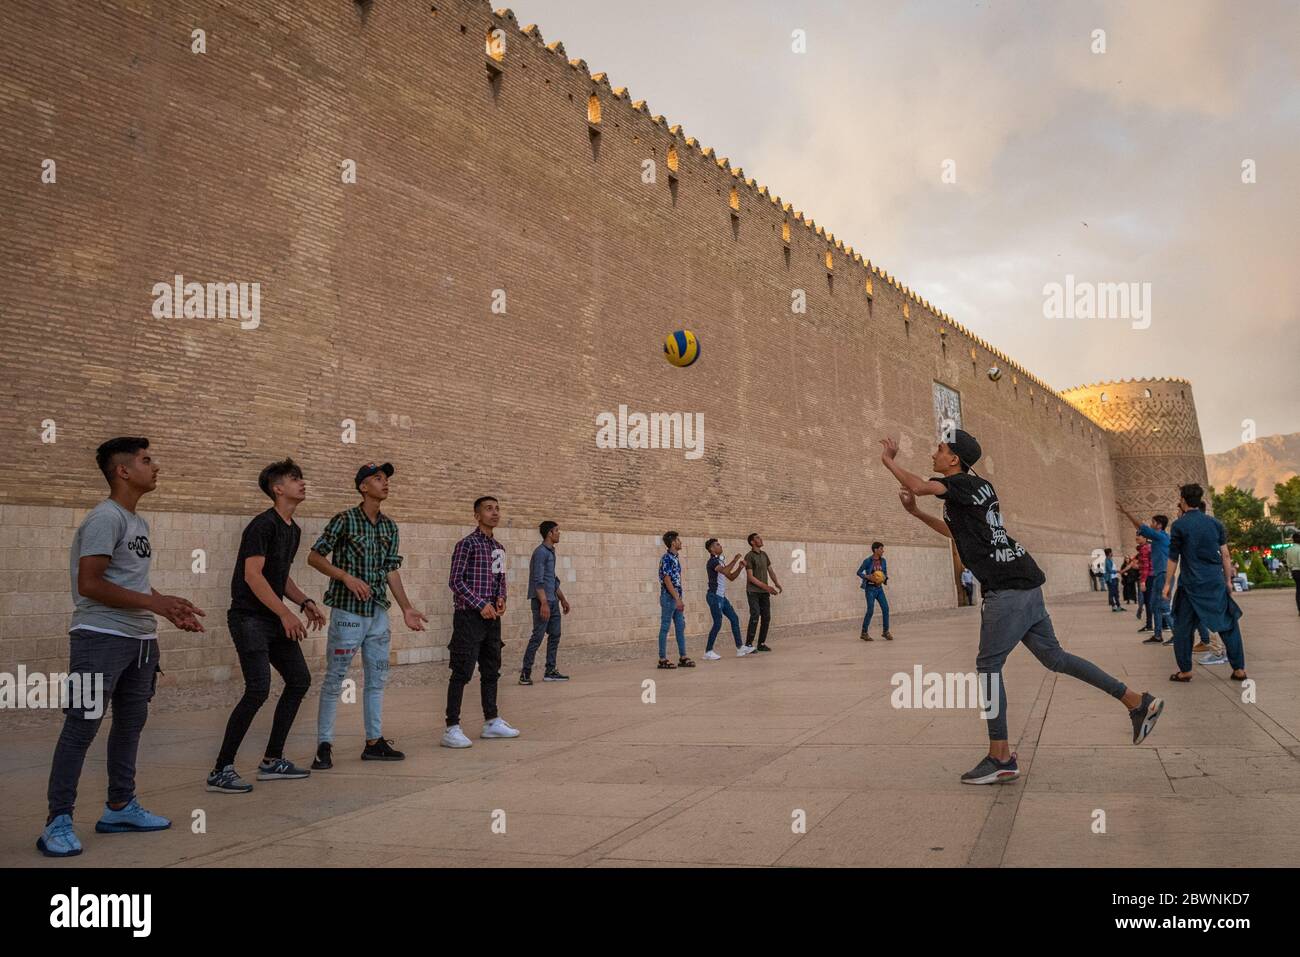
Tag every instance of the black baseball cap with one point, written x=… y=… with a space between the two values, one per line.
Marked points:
x=370 y=468
x=964 y=446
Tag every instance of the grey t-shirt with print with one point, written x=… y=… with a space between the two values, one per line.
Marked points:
x=111 y=530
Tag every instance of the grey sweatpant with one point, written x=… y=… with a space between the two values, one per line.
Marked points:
x=1009 y=617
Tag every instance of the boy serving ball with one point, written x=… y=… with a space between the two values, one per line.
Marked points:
x=1011 y=586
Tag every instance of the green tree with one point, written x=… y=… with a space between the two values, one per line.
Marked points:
x=1239 y=510
x=1257 y=573
x=1287 y=495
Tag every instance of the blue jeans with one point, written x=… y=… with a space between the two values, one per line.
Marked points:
x=1156 y=602
x=668 y=613
x=876 y=594
x=543 y=627
x=719 y=605
x=348 y=633
x=1112 y=588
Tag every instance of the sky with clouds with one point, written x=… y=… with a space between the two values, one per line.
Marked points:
x=1122 y=166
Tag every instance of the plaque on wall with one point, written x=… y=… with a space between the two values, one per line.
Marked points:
x=947 y=411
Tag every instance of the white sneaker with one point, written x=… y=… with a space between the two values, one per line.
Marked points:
x=1210 y=658
x=454 y=737
x=743 y=650
x=497 y=728
x=712 y=656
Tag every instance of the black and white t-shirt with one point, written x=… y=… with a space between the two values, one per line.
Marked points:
x=973 y=515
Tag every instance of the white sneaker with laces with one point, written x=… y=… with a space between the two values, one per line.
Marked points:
x=743 y=650
x=497 y=728
x=454 y=737
x=712 y=656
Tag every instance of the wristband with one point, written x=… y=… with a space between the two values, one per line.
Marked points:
x=303 y=607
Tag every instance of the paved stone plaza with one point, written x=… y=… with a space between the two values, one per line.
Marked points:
x=714 y=771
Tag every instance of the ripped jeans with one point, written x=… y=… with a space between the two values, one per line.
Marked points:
x=349 y=633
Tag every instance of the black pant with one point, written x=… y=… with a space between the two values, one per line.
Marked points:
x=1296 y=578
x=130 y=674
x=760 y=606
x=474 y=640
x=261 y=644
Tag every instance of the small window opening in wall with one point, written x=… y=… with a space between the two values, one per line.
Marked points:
x=907 y=328
x=672 y=187
x=871 y=308
x=1146 y=393
x=735 y=225
x=907 y=311
x=830 y=262
x=830 y=283
x=570 y=95
x=785 y=251
x=1105 y=397
x=785 y=231
x=593 y=110
x=462 y=28
x=672 y=159
x=734 y=199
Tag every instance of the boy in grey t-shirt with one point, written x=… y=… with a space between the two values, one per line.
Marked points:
x=112 y=645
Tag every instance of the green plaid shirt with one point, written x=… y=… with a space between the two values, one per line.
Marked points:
x=364 y=550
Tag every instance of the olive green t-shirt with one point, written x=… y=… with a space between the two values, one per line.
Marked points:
x=758 y=563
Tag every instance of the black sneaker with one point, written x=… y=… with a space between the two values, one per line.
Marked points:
x=381 y=751
x=324 y=757
x=1153 y=640
x=525 y=677
x=762 y=648
x=280 y=769
x=1144 y=716
x=226 y=781
x=1144 y=628
x=991 y=771
x=553 y=674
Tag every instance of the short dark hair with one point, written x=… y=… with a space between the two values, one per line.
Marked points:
x=275 y=472
x=1296 y=538
x=545 y=528
x=109 y=455
x=875 y=545
x=1162 y=521
x=668 y=539
x=1192 y=494
x=709 y=544
x=752 y=536
x=1105 y=551
x=481 y=499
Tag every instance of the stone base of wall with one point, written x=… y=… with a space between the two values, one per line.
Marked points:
x=608 y=578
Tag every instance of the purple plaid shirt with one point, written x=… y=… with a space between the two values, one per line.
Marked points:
x=473 y=582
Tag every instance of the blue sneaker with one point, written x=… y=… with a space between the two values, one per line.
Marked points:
x=59 y=839
x=131 y=818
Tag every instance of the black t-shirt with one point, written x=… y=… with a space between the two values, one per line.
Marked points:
x=266 y=535
x=973 y=515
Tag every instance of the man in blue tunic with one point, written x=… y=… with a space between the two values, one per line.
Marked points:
x=1198 y=543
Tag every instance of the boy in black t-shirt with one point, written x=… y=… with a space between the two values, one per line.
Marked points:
x=1011 y=584
x=265 y=631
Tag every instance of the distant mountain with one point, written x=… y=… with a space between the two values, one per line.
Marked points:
x=1257 y=465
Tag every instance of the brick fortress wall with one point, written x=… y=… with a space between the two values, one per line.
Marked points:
x=473 y=175
x=1155 y=441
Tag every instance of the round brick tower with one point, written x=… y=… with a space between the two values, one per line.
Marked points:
x=1154 y=438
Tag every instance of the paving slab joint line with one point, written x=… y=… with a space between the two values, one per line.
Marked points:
x=1277 y=732
x=995 y=835
x=602 y=849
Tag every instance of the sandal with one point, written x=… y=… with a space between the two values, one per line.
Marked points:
x=1177 y=677
x=665 y=663
x=685 y=663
